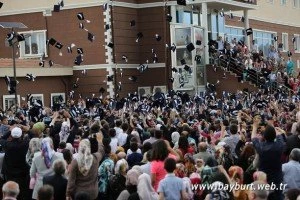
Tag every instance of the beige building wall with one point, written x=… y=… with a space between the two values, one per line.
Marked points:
x=273 y=12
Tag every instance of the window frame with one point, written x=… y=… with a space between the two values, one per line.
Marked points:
x=285 y=46
x=275 y=43
x=57 y=94
x=22 y=44
x=38 y=95
x=10 y=96
x=297 y=43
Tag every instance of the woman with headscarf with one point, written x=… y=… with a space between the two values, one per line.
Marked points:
x=42 y=164
x=34 y=147
x=145 y=190
x=131 y=185
x=84 y=168
x=64 y=131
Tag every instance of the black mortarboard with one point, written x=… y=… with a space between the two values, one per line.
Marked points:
x=56 y=8
x=142 y=68
x=75 y=85
x=78 y=60
x=69 y=49
x=104 y=6
x=79 y=50
x=242 y=19
x=20 y=37
x=51 y=63
x=80 y=16
x=190 y=47
x=289 y=54
x=10 y=36
x=132 y=23
x=107 y=26
x=198 y=42
x=231 y=15
x=29 y=77
x=173 y=47
x=174 y=70
x=110 y=78
x=125 y=58
x=139 y=36
x=155 y=59
x=81 y=26
x=171 y=80
x=280 y=46
x=181 y=2
x=198 y=58
x=1 y=4
x=182 y=61
x=276 y=38
x=157 y=37
x=187 y=68
x=42 y=63
x=91 y=37
x=133 y=78
x=52 y=41
x=293 y=39
x=249 y=31
x=59 y=45
x=169 y=18
x=101 y=90
x=62 y=4
x=111 y=45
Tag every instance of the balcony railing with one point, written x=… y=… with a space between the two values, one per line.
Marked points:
x=248 y=1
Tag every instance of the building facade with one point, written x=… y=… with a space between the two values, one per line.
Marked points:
x=142 y=33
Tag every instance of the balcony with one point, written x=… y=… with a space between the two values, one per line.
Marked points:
x=254 y=2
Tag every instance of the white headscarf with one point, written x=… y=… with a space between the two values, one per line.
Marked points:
x=119 y=164
x=84 y=157
x=175 y=137
x=145 y=189
x=64 y=132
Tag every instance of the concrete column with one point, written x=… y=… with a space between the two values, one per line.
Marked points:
x=204 y=24
x=173 y=13
x=247 y=38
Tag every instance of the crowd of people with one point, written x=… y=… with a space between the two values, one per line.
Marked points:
x=268 y=70
x=157 y=147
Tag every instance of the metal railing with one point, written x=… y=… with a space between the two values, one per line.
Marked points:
x=249 y=75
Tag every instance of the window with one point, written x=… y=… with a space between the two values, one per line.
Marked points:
x=264 y=40
x=38 y=97
x=296 y=3
x=9 y=101
x=232 y=33
x=189 y=16
x=285 y=42
x=297 y=43
x=270 y=1
x=34 y=44
x=58 y=98
x=283 y=2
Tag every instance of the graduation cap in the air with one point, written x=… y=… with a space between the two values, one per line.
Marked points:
x=132 y=23
x=174 y=70
x=11 y=84
x=111 y=45
x=198 y=42
x=51 y=41
x=231 y=15
x=101 y=90
x=187 y=68
x=171 y=80
x=249 y=31
x=110 y=78
x=59 y=45
x=142 y=67
x=119 y=86
x=10 y=36
x=242 y=19
x=133 y=78
x=155 y=58
x=293 y=39
x=276 y=38
x=75 y=84
x=182 y=61
x=173 y=47
x=42 y=63
x=107 y=26
x=157 y=37
x=80 y=16
x=81 y=26
x=1 y=4
x=56 y=8
x=181 y=2
x=104 y=6
x=222 y=13
x=190 y=47
x=91 y=37
x=20 y=37
x=84 y=72
x=169 y=17
x=280 y=45
x=125 y=58
x=198 y=58
x=289 y=53
x=79 y=50
x=62 y=4
x=51 y=63
x=29 y=77
x=78 y=59
x=139 y=36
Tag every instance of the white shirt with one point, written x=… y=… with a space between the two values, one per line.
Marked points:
x=122 y=138
x=118 y=131
x=114 y=144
